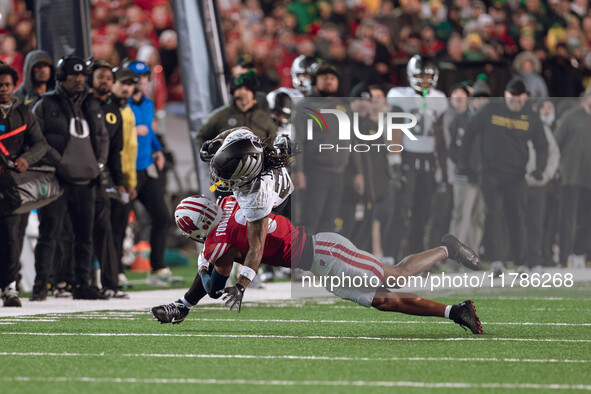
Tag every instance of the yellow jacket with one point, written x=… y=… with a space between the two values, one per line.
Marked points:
x=129 y=151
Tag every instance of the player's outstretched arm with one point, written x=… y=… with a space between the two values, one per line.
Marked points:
x=257 y=233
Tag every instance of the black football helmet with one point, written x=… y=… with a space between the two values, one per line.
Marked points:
x=238 y=161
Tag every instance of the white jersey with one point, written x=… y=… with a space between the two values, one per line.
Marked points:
x=427 y=111
x=258 y=198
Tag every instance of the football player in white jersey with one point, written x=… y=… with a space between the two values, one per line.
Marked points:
x=418 y=159
x=256 y=174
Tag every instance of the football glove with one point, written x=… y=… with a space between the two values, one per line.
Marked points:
x=233 y=296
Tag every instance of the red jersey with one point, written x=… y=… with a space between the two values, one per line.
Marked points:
x=284 y=241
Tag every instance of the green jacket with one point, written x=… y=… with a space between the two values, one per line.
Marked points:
x=229 y=116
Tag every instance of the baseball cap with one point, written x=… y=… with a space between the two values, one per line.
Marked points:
x=516 y=87
x=124 y=75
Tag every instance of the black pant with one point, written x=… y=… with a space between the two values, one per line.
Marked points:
x=551 y=222
x=575 y=221
x=104 y=243
x=322 y=200
x=504 y=197
x=11 y=242
x=78 y=203
x=534 y=219
x=418 y=186
x=151 y=195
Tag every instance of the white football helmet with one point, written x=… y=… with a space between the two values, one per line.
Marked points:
x=196 y=216
x=300 y=73
x=419 y=71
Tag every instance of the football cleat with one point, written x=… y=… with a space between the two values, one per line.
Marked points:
x=461 y=253
x=10 y=297
x=173 y=313
x=467 y=317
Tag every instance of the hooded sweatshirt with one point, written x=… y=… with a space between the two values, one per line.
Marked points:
x=26 y=92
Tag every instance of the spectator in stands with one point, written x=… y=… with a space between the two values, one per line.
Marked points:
x=528 y=67
x=39 y=77
x=21 y=144
x=72 y=122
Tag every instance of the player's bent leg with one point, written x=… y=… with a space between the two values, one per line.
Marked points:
x=416 y=263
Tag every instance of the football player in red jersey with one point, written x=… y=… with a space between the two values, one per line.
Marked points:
x=224 y=231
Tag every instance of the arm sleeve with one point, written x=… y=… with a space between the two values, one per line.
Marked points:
x=540 y=144
x=52 y=155
x=37 y=145
x=474 y=127
x=553 y=155
x=103 y=144
x=208 y=131
x=156 y=146
x=562 y=131
x=114 y=160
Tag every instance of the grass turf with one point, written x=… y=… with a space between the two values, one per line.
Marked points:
x=381 y=350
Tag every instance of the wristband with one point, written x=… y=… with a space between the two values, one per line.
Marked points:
x=247 y=272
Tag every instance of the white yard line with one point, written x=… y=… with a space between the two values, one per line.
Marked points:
x=294 y=357
x=299 y=337
x=433 y=385
x=115 y=316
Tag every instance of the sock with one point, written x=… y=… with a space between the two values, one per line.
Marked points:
x=447 y=311
x=453 y=312
x=195 y=292
x=186 y=303
x=446 y=251
x=213 y=281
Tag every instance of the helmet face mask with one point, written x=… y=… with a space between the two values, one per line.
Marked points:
x=420 y=72
x=196 y=216
x=238 y=162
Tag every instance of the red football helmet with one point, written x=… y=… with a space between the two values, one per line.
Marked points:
x=196 y=216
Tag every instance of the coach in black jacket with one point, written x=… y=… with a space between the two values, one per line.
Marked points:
x=72 y=122
x=505 y=127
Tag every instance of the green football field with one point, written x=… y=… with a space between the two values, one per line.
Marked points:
x=323 y=345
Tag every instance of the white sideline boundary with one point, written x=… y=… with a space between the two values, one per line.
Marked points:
x=340 y=383
x=293 y=357
x=297 y=337
x=138 y=300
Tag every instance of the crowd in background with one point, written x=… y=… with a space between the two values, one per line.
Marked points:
x=371 y=40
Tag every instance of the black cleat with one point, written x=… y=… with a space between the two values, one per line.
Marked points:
x=10 y=297
x=461 y=253
x=465 y=316
x=39 y=292
x=173 y=313
x=85 y=292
